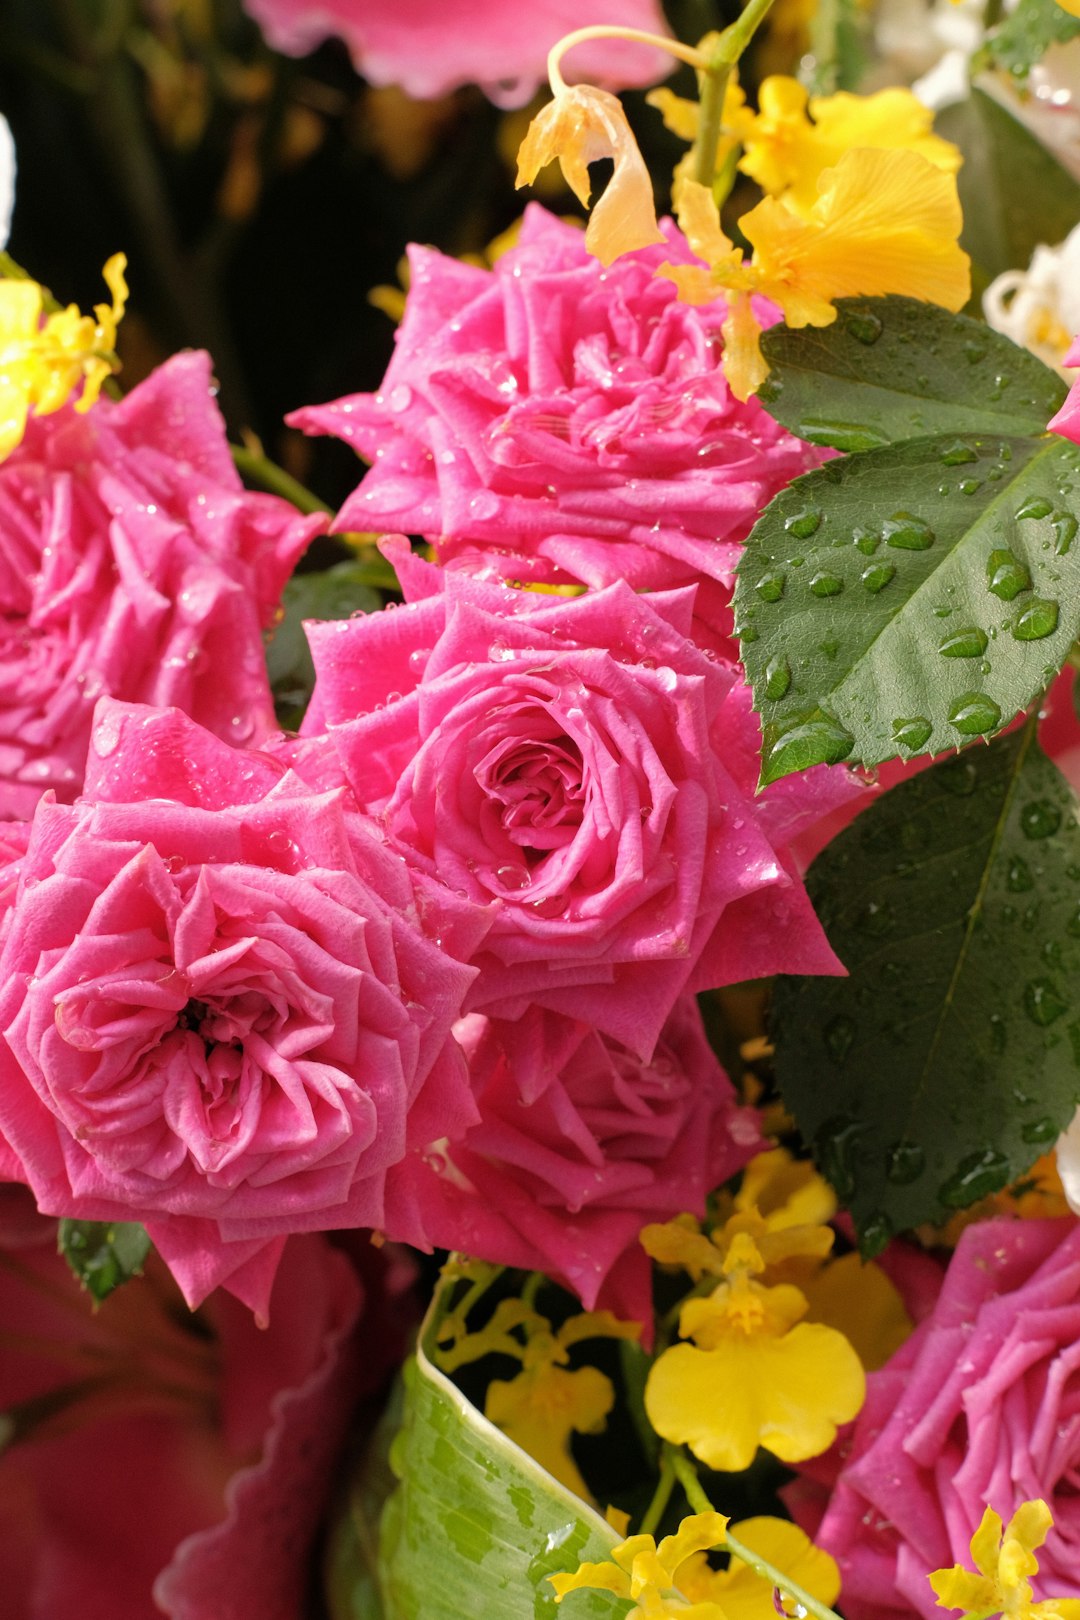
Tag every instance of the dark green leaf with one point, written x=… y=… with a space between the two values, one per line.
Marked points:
x=1023 y=39
x=103 y=1255
x=476 y=1526
x=950 y=1058
x=336 y=593
x=894 y=368
x=1013 y=192
x=911 y=599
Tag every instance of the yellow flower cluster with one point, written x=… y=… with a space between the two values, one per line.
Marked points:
x=547 y=1401
x=860 y=198
x=45 y=358
x=756 y=1373
x=675 y=1578
x=1004 y=1558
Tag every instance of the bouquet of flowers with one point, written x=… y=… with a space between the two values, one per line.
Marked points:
x=540 y=981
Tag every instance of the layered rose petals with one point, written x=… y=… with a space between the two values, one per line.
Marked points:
x=132 y=563
x=586 y=767
x=578 y=1144
x=223 y=1013
x=565 y=421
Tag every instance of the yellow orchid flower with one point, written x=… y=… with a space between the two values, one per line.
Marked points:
x=884 y=222
x=793 y=139
x=43 y=361
x=580 y=126
x=546 y=1402
x=645 y=1573
x=744 y=1595
x=1004 y=1559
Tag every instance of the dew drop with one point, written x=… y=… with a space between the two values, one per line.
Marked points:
x=907 y=532
x=1040 y=1132
x=957 y=453
x=874 y=1234
x=771 y=588
x=1038 y=618
x=866 y=541
x=1018 y=879
x=1006 y=575
x=1064 y=527
x=777 y=678
x=826 y=585
x=803 y=524
x=877 y=577
x=863 y=326
x=967 y=643
x=746 y=632
x=400 y=398
x=976 y=1176
x=839 y=1033
x=815 y=742
x=1040 y=819
x=959 y=777
x=912 y=733
x=904 y=1163
x=830 y=648
x=973 y=713
x=1037 y=507
x=1043 y=1001
x=969 y=486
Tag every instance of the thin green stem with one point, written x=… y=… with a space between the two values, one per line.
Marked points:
x=737 y=35
x=661 y=1496
x=476 y=1291
x=687 y=1476
x=266 y=474
x=714 y=83
x=993 y=13
x=674 y=47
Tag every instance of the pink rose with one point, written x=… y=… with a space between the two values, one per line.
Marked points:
x=585 y=766
x=574 y=417
x=579 y=1144
x=133 y=563
x=227 y=1008
x=978 y=1407
x=429 y=47
x=162 y=1464
x=1067 y=420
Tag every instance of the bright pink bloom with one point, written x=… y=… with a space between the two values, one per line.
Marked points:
x=583 y=764
x=574 y=417
x=978 y=1407
x=133 y=563
x=578 y=1145
x=167 y=1465
x=1067 y=420
x=430 y=47
x=227 y=1007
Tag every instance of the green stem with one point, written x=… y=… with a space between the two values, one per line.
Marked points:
x=266 y=474
x=661 y=1496
x=713 y=82
x=696 y=1497
x=737 y=36
x=993 y=13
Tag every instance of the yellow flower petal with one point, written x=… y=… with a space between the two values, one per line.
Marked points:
x=580 y=126
x=543 y=1406
x=885 y=222
x=957 y=1588
x=786 y=1191
x=599 y=1577
x=695 y=1534
x=1030 y=1525
x=744 y=364
x=986 y=1543
x=745 y=1596
x=786 y=1394
x=857 y=1298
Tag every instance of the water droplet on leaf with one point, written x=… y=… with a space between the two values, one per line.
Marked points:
x=968 y=643
x=1036 y=619
x=973 y=713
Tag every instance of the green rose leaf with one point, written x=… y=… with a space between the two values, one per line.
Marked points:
x=949 y=1060
x=894 y=368
x=1014 y=193
x=1022 y=40
x=475 y=1526
x=911 y=599
x=335 y=593
x=103 y=1254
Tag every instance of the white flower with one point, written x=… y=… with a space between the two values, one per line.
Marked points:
x=1068 y=1163
x=1039 y=308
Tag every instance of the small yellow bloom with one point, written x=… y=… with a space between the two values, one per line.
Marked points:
x=645 y=1573
x=792 y=139
x=884 y=222
x=744 y=1595
x=1003 y=1560
x=580 y=126
x=43 y=361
